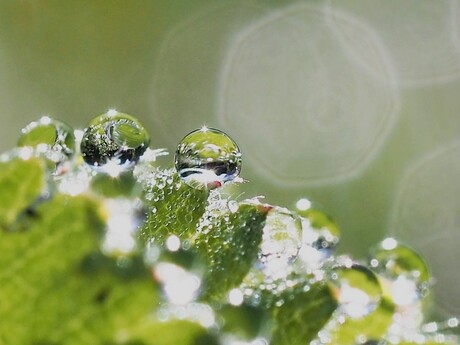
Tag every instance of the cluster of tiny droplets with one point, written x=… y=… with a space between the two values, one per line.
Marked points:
x=163 y=185
x=217 y=209
x=281 y=271
x=160 y=184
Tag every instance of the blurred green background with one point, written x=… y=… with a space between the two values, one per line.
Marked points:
x=352 y=103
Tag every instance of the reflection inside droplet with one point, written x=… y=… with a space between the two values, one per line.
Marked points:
x=113 y=143
x=51 y=138
x=357 y=289
x=320 y=237
x=281 y=241
x=404 y=291
x=403 y=270
x=207 y=158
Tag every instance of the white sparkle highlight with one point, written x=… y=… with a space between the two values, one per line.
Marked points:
x=112 y=112
x=389 y=243
x=173 y=243
x=180 y=286
x=303 y=204
x=235 y=297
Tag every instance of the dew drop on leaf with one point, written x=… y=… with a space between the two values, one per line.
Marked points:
x=357 y=290
x=207 y=158
x=393 y=259
x=274 y=271
x=113 y=142
x=53 y=138
x=404 y=272
x=281 y=241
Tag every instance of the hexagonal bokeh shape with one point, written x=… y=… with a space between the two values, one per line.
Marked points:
x=187 y=71
x=426 y=215
x=303 y=109
x=421 y=36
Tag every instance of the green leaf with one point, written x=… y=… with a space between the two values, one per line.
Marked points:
x=244 y=321
x=229 y=245
x=21 y=183
x=123 y=185
x=172 y=206
x=55 y=288
x=300 y=318
x=37 y=267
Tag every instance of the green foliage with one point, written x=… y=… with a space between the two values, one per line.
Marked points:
x=229 y=245
x=300 y=319
x=58 y=287
x=173 y=207
x=55 y=286
x=21 y=183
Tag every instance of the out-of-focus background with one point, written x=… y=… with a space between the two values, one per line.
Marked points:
x=352 y=103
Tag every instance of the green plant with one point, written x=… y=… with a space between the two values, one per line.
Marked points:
x=118 y=250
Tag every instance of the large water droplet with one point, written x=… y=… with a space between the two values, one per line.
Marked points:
x=274 y=271
x=320 y=237
x=404 y=271
x=357 y=289
x=394 y=259
x=207 y=158
x=53 y=138
x=281 y=241
x=113 y=142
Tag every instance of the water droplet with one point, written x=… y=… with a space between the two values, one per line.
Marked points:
x=281 y=241
x=51 y=137
x=320 y=237
x=404 y=271
x=357 y=290
x=113 y=142
x=207 y=158
x=398 y=259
